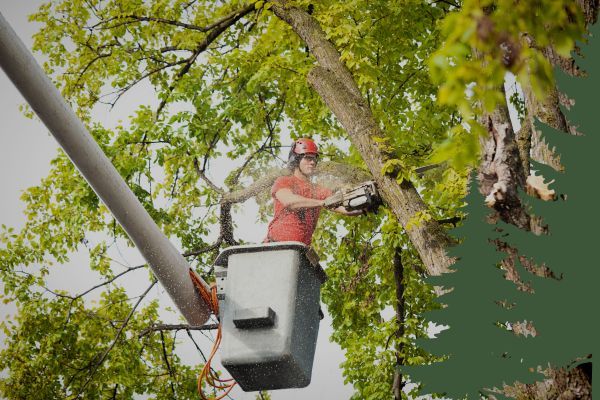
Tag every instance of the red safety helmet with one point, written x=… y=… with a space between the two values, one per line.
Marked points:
x=299 y=149
x=305 y=146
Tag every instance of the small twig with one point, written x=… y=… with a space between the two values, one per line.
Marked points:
x=166 y=358
x=196 y=344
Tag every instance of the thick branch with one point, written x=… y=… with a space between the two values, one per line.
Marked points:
x=501 y=172
x=334 y=83
x=310 y=31
x=353 y=113
x=226 y=224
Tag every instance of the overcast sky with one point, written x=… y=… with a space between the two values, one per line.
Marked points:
x=26 y=149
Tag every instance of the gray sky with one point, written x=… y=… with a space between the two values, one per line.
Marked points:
x=26 y=149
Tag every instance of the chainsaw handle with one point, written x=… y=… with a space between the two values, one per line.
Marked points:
x=333 y=201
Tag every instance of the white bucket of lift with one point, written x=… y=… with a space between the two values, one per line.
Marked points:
x=269 y=301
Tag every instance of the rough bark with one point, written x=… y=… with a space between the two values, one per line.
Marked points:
x=334 y=83
x=590 y=10
x=558 y=385
x=501 y=172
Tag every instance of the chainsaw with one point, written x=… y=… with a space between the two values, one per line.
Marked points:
x=362 y=197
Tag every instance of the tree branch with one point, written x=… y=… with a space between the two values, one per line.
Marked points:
x=333 y=81
x=139 y=18
x=398 y=383
x=202 y=175
x=264 y=183
x=215 y=31
x=177 y=327
x=204 y=249
x=166 y=358
x=114 y=278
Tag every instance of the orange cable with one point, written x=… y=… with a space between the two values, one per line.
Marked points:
x=207 y=374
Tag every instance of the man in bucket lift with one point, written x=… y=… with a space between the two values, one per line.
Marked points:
x=297 y=200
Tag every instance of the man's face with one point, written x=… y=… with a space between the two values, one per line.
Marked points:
x=308 y=164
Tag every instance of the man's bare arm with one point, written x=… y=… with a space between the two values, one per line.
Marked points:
x=295 y=201
x=342 y=210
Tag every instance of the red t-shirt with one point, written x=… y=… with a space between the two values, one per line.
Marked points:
x=297 y=225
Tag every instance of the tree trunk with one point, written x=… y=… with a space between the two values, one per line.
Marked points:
x=501 y=172
x=334 y=83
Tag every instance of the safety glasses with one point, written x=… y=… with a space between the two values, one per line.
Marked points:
x=311 y=157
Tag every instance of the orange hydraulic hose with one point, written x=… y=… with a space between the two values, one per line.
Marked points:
x=207 y=374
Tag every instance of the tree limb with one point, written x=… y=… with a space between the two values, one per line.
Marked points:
x=332 y=80
x=202 y=175
x=139 y=18
x=501 y=173
x=214 y=32
x=177 y=327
